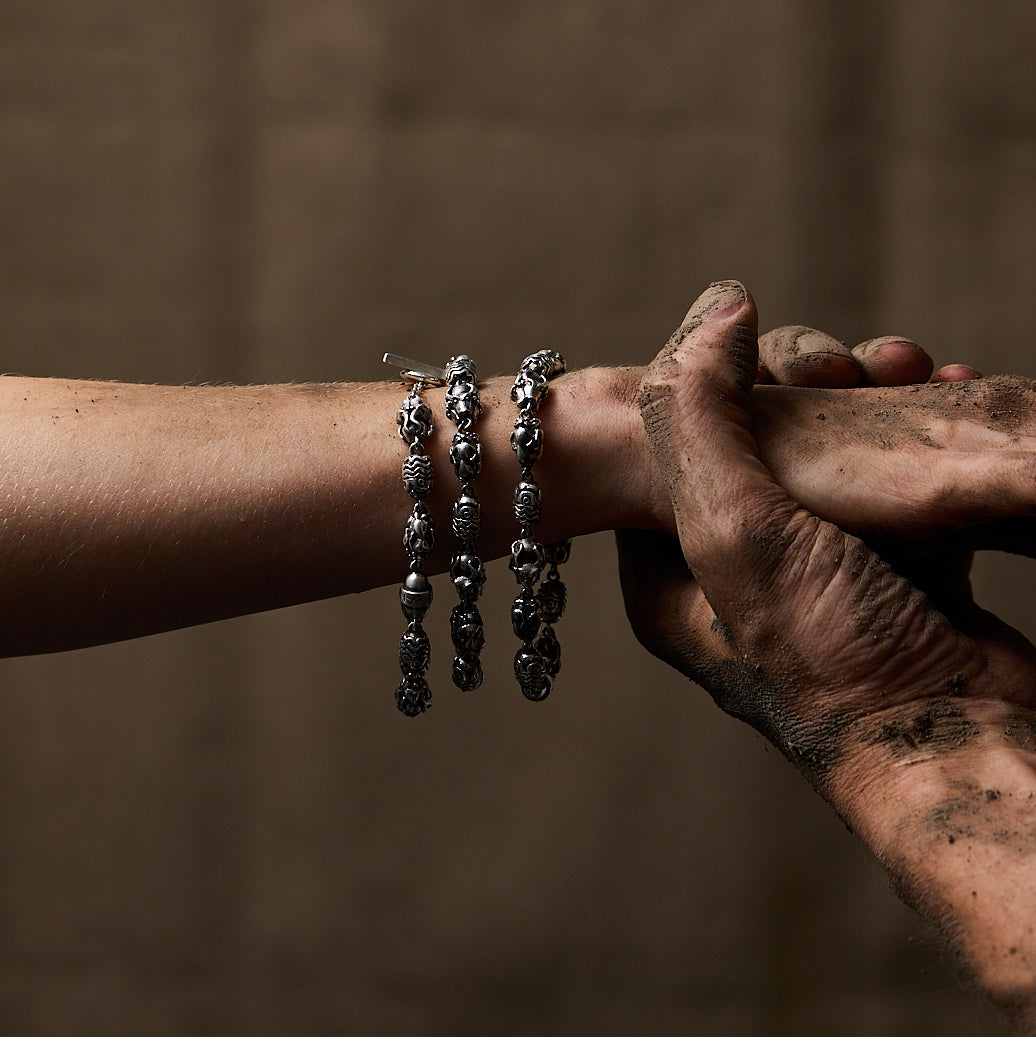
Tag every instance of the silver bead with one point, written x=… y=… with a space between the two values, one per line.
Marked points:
x=419 y=535
x=415 y=596
x=460 y=368
x=467 y=518
x=463 y=405
x=468 y=575
x=527 y=440
x=551 y=598
x=467 y=672
x=466 y=628
x=531 y=673
x=466 y=455
x=527 y=560
x=525 y=616
x=415 y=650
x=417 y=475
x=547 y=363
x=529 y=391
x=413 y=695
x=549 y=648
x=414 y=419
x=528 y=503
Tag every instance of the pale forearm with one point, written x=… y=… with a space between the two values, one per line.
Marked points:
x=129 y=509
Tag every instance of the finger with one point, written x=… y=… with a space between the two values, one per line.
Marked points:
x=665 y=606
x=795 y=355
x=891 y=360
x=956 y=373
x=730 y=512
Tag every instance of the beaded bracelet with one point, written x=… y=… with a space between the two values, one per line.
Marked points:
x=533 y=614
x=463 y=407
x=414 y=419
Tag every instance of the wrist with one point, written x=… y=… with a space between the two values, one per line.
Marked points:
x=596 y=473
x=598 y=464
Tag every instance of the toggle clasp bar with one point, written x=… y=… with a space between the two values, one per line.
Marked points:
x=415 y=371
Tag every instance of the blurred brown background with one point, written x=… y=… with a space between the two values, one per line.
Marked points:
x=230 y=830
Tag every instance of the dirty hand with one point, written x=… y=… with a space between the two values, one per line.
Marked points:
x=915 y=722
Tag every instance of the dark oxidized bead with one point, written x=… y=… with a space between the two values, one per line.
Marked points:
x=414 y=419
x=467 y=672
x=417 y=475
x=559 y=552
x=415 y=650
x=551 y=597
x=527 y=440
x=413 y=696
x=466 y=628
x=419 y=535
x=528 y=503
x=525 y=615
x=527 y=560
x=468 y=575
x=531 y=673
x=466 y=455
x=415 y=596
x=467 y=518
x=549 y=647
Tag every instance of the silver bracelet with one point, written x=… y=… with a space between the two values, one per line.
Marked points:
x=534 y=613
x=463 y=407
x=414 y=419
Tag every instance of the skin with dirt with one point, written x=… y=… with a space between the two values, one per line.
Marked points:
x=917 y=724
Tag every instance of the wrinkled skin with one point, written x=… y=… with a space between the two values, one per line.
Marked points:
x=905 y=705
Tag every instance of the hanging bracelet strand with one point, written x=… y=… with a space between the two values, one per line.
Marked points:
x=463 y=407
x=533 y=614
x=414 y=419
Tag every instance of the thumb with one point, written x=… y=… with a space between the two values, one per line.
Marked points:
x=791 y=590
x=694 y=403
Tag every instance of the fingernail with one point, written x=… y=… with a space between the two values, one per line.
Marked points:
x=720 y=300
x=872 y=345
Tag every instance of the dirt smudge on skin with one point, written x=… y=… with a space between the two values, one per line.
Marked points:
x=721 y=628
x=625 y=390
x=1007 y=402
x=938 y=725
x=879 y=601
x=743 y=692
x=764 y=545
x=655 y=397
x=974 y=813
x=655 y=402
x=1020 y=731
